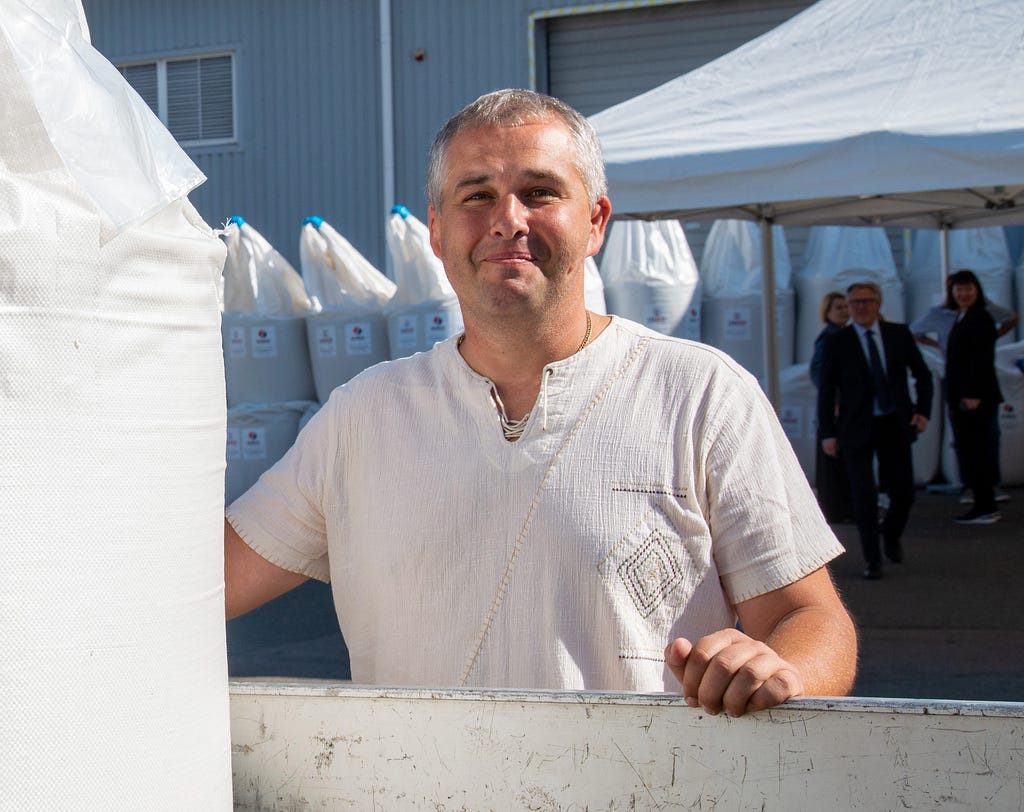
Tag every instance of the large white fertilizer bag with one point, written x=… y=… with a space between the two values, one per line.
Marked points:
x=732 y=305
x=348 y=332
x=927 y=449
x=266 y=353
x=113 y=676
x=834 y=258
x=425 y=309
x=650 y=276
x=798 y=414
x=593 y=288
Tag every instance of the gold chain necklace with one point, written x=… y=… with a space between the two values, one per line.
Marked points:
x=583 y=343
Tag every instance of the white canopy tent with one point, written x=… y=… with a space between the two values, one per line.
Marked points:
x=854 y=112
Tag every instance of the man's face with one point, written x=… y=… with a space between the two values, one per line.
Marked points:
x=864 y=306
x=514 y=224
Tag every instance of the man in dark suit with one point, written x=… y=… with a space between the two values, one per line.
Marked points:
x=865 y=410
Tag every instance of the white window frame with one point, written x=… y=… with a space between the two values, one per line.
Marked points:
x=161 y=92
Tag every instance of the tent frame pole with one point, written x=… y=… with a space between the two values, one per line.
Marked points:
x=771 y=334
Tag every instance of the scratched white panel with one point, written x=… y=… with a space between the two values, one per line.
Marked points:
x=317 y=746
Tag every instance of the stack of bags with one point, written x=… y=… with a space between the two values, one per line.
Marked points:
x=268 y=376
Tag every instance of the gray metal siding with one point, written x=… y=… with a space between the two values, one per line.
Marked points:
x=308 y=107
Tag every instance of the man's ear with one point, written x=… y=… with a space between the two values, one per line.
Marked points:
x=599 y=216
x=435 y=241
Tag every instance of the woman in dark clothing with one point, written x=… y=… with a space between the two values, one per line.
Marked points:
x=831 y=482
x=972 y=392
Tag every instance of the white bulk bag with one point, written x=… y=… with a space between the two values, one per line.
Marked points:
x=926 y=452
x=650 y=276
x=258 y=435
x=834 y=258
x=1010 y=372
x=798 y=413
x=113 y=674
x=266 y=352
x=425 y=309
x=349 y=333
x=1018 y=284
x=732 y=309
x=981 y=250
x=593 y=288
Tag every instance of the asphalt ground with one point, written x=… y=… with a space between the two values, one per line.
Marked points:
x=947 y=623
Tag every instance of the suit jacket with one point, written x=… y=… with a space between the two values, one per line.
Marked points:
x=846 y=383
x=971 y=359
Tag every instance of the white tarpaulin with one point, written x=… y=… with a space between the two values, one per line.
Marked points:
x=853 y=112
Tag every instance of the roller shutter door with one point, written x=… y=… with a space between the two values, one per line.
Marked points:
x=596 y=60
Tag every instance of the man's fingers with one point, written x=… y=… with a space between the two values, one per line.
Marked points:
x=732 y=672
x=698 y=689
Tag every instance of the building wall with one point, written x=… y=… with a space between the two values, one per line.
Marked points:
x=307 y=107
x=309 y=86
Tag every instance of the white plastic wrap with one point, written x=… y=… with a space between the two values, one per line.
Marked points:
x=650 y=276
x=982 y=250
x=263 y=330
x=349 y=333
x=105 y=134
x=336 y=275
x=425 y=309
x=113 y=677
x=835 y=257
x=732 y=308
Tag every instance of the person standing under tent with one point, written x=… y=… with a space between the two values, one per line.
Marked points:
x=831 y=482
x=933 y=329
x=865 y=411
x=972 y=392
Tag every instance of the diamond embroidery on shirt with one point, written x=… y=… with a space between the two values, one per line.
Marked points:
x=650 y=573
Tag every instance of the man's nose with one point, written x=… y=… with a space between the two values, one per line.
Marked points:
x=510 y=218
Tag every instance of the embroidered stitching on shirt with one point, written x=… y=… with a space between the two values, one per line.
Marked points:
x=650 y=573
x=679 y=493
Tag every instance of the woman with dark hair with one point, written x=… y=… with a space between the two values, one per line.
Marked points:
x=830 y=480
x=972 y=392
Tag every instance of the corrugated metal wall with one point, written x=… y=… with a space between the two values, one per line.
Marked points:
x=308 y=107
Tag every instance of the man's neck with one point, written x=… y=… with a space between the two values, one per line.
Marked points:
x=513 y=358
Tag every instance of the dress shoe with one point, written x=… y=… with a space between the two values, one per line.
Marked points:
x=872 y=572
x=979 y=516
x=894 y=551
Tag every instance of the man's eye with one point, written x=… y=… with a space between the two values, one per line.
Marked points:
x=540 y=194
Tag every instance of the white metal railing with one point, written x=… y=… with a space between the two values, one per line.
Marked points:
x=316 y=745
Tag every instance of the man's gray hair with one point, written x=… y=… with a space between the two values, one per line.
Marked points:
x=510 y=108
x=867 y=285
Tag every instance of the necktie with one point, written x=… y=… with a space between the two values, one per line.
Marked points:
x=878 y=375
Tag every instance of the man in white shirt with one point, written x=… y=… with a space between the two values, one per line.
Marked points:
x=556 y=499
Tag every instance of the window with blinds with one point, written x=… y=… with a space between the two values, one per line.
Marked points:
x=194 y=96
